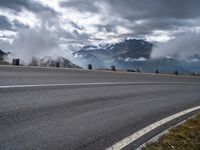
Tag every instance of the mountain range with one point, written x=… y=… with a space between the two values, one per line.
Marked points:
x=133 y=54
x=111 y=54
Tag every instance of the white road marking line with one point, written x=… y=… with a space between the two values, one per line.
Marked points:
x=102 y=83
x=126 y=141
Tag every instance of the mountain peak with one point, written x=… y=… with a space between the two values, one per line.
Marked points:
x=2 y=53
x=107 y=54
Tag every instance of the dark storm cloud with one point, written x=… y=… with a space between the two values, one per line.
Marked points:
x=19 y=25
x=37 y=40
x=5 y=24
x=141 y=9
x=87 y=21
x=107 y=28
x=76 y=25
x=80 y=5
x=45 y=14
x=157 y=14
x=172 y=18
x=19 y=5
x=15 y=5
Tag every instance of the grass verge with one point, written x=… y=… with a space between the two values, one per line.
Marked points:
x=183 y=137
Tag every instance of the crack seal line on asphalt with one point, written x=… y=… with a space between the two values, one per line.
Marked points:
x=101 y=83
x=130 y=139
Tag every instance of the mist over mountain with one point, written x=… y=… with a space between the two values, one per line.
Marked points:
x=47 y=61
x=53 y=62
x=184 y=47
x=105 y=55
x=128 y=54
x=134 y=54
x=92 y=32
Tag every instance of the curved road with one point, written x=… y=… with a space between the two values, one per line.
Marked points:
x=91 y=111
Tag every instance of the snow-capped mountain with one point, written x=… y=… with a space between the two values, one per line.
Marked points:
x=133 y=54
x=108 y=54
x=129 y=48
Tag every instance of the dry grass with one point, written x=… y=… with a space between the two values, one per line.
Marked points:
x=183 y=137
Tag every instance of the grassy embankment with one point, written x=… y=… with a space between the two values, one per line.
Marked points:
x=183 y=137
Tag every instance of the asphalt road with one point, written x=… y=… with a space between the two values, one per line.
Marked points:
x=85 y=116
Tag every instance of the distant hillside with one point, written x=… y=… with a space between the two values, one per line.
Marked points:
x=51 y=62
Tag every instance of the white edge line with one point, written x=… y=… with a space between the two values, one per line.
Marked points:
x=126 y=141
x=156 y=137
x=102 y=83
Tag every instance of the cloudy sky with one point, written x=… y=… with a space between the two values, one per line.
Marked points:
x=56 y=27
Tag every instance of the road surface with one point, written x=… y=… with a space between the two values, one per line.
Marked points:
x=78 y=109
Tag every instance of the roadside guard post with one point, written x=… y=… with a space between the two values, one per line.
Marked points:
x=130 y=70
x=16 y=62
x=57 y=64
x=176 y=72
x=157 y=71
x=113 y=68
x=89 y=66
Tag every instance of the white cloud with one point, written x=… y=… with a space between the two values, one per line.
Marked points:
x=183 y=46
x=32 y=43
x=25 y=17
x=128 y=59
x=160 y=36
x=82 y=22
